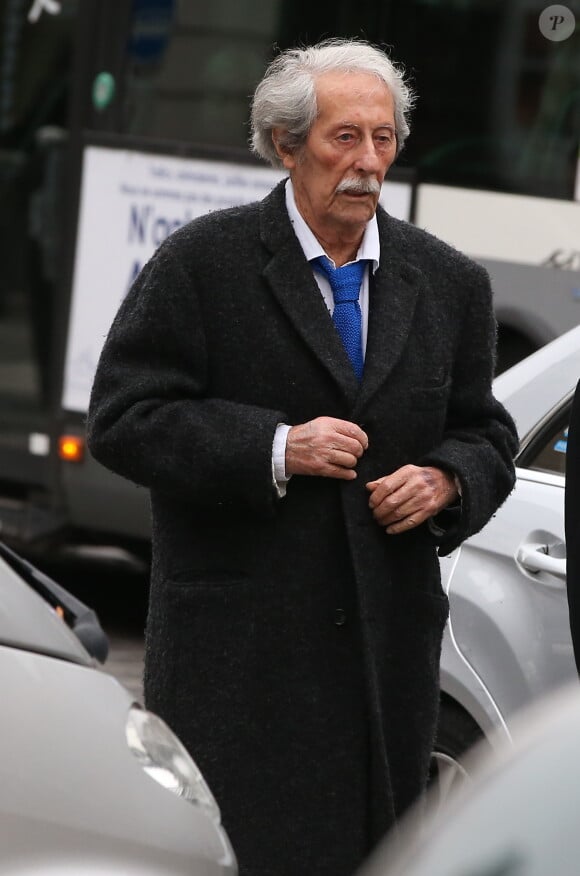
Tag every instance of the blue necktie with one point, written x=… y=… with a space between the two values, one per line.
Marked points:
x=345 y=283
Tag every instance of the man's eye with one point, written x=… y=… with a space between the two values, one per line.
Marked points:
x=346 y=137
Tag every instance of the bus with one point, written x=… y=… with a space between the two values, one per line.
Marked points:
x=120 y=120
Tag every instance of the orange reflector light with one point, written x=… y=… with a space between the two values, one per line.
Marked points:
x=71 y=448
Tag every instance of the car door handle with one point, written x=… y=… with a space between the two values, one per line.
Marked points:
x=537 y=558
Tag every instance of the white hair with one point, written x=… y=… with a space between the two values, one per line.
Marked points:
x=286 y=96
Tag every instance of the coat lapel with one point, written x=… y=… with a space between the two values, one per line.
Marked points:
x=395 y=288
x=293 y=285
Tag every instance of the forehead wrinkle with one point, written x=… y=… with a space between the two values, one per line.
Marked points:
x=346 y=124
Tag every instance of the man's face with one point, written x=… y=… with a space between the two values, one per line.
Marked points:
x=351 y=143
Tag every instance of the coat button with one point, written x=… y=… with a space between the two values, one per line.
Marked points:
x=340 y=617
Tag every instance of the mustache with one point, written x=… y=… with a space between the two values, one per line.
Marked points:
x=358 y=186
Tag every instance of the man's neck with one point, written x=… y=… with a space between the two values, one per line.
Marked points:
x=341 y=242
x=340 y=250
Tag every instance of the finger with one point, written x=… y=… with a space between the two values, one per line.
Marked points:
x=329 y=433
x=342 y=459
x=387 y=514
x=348 y=445
x=389 y=484
x=339 y=472
x=414 y=486
x=391 y=497
x=406 y=525
x=372 y=485
x=351 y=430
x=379 y=491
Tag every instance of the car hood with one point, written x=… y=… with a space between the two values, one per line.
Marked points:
x=27 y=622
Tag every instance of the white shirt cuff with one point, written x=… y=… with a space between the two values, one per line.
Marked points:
x=279 y=459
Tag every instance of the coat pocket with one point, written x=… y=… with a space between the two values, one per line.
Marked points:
x=200 y=640
x=426 y=397
x=190 y=578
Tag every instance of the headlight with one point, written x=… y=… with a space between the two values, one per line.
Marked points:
x=164 y=758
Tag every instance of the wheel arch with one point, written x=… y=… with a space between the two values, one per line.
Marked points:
x=461 y=685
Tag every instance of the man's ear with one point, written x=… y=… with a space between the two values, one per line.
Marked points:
x=284 y=154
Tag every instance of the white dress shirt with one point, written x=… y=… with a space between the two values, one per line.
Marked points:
x=370 y=250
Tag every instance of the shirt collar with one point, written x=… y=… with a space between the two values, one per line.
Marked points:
x=369 y=248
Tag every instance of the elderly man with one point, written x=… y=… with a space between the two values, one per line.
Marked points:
x=307 y=448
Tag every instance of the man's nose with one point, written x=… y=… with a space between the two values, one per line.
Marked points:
x=367 y=158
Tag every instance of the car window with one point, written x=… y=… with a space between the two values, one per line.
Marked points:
x=549 y=453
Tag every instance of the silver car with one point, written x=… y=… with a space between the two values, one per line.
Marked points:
x=90 y=783
x=508 y=638
x=518 y=816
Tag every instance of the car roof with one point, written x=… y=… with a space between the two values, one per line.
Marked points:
x=539 y=383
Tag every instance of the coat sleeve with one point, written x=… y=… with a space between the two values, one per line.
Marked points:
x=480 y=439
x=152 y=418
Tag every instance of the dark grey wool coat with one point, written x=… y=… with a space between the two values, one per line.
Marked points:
x=291 y=643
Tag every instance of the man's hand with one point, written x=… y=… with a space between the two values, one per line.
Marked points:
x=326 y=447
x=410 y=496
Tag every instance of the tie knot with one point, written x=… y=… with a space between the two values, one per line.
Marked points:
x=345 y=282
